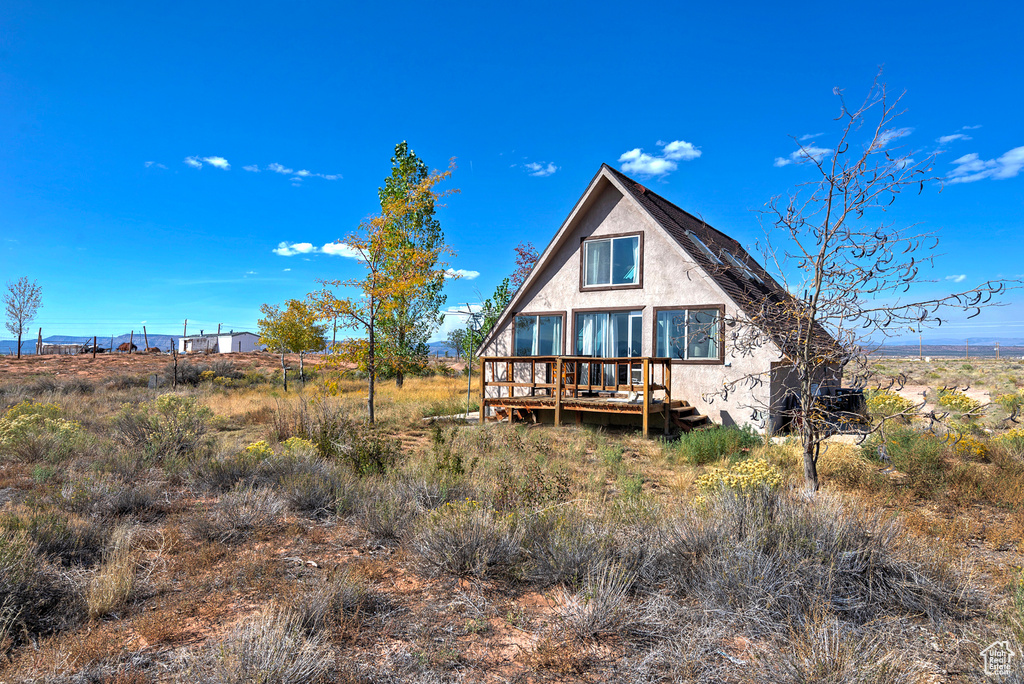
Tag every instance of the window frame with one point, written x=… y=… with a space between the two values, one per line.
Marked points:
x=639 y=234
x=537 y=315
x=713 y=361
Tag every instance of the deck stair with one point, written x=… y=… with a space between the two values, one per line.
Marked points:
x=686 y=418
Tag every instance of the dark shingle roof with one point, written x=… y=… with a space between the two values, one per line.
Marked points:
x=754 y=297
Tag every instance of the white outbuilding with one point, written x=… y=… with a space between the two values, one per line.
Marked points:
x=226 y=343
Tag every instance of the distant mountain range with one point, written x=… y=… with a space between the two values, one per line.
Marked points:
x=28 y=346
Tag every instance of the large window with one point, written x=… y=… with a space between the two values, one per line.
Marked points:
x=688 y=334
x=538 y=335
x=611 y=261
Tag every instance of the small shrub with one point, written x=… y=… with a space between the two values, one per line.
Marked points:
x=886 y=403
x=310 y=493
x=562 y=546
x=326 y=605
x=174 y=425
x=1012 y=441
x=367 y=449
x=58 y=536
x=528 y=486
x=919 y=455
x=32 y=431
x=270 y=648
x=957 y=401
x=602 y=606
x=706 y=446
x=967 y=447
x=35 y=599
x=388 y=515
x=846 y=467
x=466 y=539
x=238 y=514
x=746 y=477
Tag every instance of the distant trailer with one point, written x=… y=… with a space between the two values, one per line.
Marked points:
x=228 y=343
x=61 y=349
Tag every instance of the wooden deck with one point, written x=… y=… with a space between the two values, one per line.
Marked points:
x=633 y=386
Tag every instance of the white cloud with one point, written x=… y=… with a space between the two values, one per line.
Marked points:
x=454 y=319
x=219 y=162
x=540 y=169
x=339 y=249
x=293 y=248
x=680 y=150
x=278 y=168
x=970 y=128
x=302 y=173
x=886 y=137
x=156 y=164
x=806 y=154
x=638 y=162
x=957 y=278
x=286 y=269
x=461 y=273
x=971 y=167
x=942 y=140
x=249 y=273
x=252 y=168
x=809 y=136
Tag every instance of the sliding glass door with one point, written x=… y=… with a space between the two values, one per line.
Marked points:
x=608 y=334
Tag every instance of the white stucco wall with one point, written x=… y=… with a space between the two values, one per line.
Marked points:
x=670 y=279
x=243 y=342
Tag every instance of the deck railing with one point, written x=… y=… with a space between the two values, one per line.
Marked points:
x=566 y=378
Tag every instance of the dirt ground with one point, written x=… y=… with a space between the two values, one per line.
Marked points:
x=106 y=366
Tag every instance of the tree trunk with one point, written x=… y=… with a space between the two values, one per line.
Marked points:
x=399 y=375
x=302 y=369
x=811 y=467
x=284 y=372
x=371 y=369
x=19 y=345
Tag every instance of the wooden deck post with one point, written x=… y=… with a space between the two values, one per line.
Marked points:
x=667 y=378
x=558 y=391
x=646 y=365
x=483 y=385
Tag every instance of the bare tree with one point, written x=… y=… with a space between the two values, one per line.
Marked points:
x=849 y=273
x=21 y=301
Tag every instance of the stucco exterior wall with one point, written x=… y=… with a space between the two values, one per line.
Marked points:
x=670 y=278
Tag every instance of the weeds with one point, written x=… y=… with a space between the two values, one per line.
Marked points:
x=706 y=446
x=115 y=580
x=238 y=514
x=174 y=425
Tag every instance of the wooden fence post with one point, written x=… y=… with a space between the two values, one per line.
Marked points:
x=145 y=336
x=131 y=341
x=93 y=346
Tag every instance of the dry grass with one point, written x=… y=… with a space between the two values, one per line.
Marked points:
x=115 y=579
x=586 y=539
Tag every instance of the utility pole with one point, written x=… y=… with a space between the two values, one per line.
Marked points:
x=184 y=331
x=146 y=337
x=94 y=347
x=997 y=350
x=131 y=342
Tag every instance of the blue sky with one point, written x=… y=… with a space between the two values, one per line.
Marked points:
x=126 y=130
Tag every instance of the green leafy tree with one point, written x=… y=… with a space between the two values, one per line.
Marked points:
x=399 y=265
x=406 y=325
x=295 y=329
